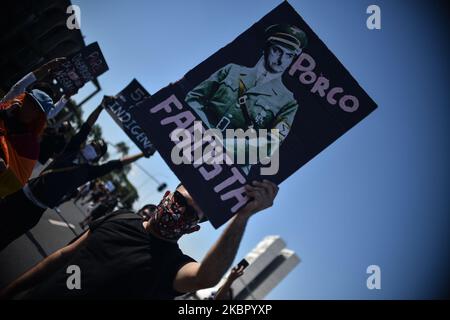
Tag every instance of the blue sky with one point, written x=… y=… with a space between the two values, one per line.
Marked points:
x=378 y=195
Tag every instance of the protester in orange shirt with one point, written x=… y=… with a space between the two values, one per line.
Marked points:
x=22 y=122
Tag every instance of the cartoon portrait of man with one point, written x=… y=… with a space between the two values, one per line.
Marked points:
x=240 y=97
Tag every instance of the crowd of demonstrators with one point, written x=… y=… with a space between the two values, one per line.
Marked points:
x=124 y=256
x=72 y=168
x=93 y=190
x=107 y=203
x=24 y=112
x=105 y=195
x=98 y=192
x=84 y=191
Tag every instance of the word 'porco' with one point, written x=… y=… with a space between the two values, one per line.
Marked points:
x=305 y=64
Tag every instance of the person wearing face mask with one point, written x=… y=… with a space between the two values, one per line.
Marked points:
x=125 y=256
x=76 y=165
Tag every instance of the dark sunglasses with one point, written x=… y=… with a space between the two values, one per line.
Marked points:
x=182 y=202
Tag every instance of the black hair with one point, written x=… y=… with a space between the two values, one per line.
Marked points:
x=204 y=218
x=151 y=208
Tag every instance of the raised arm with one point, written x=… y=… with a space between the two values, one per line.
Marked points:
x=99 y=171
x=32 y=77
x=90 y=121
x=94 y=115
x=130 y=159
x=194 y=276
x=80 y=137
x=43 y=269
x=58 y=107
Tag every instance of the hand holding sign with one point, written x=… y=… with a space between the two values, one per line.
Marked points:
x=47 y=68
x=71 y=93
x=78 y=69
x=262 y=195
x=107 y=100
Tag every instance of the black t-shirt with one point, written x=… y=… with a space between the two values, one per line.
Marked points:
x=63 y=177
x=119 y=260
x=104 y=207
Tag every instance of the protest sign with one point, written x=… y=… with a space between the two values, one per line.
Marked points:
x=276 y=88
x=80 y=68
x=119 y=109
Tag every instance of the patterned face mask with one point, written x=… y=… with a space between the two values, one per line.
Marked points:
x=175 y=217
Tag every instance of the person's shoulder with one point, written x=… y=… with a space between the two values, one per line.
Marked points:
x=178 y=254
x=120 y=215
x=233 y=67
x=282 y=91
x=233 y=71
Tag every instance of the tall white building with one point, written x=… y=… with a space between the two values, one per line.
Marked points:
x=269 y=263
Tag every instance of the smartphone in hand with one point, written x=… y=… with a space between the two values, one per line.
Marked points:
x=243 y=263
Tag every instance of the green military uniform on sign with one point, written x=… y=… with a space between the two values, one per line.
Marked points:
x=238 y=97
x=229 y=99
